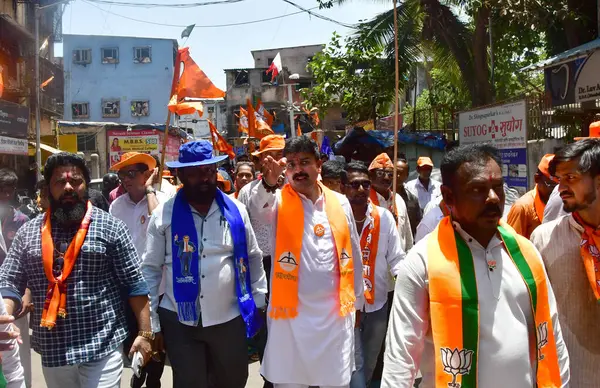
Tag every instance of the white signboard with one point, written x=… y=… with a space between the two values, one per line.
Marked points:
x=505 y=127
x=12 y=146
x=587 y=87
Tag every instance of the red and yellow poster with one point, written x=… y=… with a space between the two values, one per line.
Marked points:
x=146 y=140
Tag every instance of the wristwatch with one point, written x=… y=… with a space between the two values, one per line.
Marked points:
x=150 y=190
x=146 y=334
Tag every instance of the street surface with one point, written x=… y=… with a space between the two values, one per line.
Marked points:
x=254 y=380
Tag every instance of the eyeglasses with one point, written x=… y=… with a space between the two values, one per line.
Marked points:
x=384 y=173
x=128 y=174
x=357 y=184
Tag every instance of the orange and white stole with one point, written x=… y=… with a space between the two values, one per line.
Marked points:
x=56 y=295
x=392 y=208
x=538 y=205
x=369 y=243
x=590 y=254
x=283 y=303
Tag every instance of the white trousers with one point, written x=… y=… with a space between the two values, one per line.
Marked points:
x=103 y=373
x=306 y=386
x=25 y=348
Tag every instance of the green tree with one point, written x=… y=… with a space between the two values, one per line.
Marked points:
x=353 y=75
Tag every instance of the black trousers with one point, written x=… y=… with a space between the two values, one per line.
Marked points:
x=197 y=352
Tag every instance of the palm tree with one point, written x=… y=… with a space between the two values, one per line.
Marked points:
x=431 y=29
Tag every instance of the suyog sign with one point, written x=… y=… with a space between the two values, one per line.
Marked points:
x=505 y=127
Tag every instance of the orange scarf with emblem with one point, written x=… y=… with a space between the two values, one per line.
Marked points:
x=291 y=227
x=590 y=254
x=369 y=243
x=56 y=295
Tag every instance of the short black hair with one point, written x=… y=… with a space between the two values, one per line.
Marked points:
x=8 y=177
x=302 y=144
x=66 y=159
x=470 y=153
x=244 y=163
x=332 y=169
x=587 y=151
x=356 y=166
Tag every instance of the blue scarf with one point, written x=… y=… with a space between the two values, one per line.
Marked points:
x=185 y=250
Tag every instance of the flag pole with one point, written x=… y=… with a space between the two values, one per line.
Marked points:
x=164 y=149
x=397 y=80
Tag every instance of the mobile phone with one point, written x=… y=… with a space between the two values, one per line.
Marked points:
x=136 y=364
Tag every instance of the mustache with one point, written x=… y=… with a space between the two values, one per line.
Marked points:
x=69 y=196
x=492 y=210
x=300 y=175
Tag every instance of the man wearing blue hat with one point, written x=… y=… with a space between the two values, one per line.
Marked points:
x=214 y=279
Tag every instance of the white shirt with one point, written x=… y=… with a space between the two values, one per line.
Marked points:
x=429 y=222
x=389 y=255
x=425 y=195
x=261 y=229
x=506 y=326
x=218 y=300
x=135 y=216
x=406 y=237
x=317 y=346
x=11 y=361
x=554 y=207
x=167 y=188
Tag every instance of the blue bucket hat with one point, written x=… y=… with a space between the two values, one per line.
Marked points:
x=195 y=153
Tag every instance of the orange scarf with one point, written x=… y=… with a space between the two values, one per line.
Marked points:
x=539 y=205
x=373 y=197
x=288 y=247
x=369 y=242
x=56 y=295
x=444 y=208
x=590 y=241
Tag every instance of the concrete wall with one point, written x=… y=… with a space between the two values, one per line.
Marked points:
x=294 y=58
x=124 y=81
x=100 y=133
x=213 y=111
x=535 y=150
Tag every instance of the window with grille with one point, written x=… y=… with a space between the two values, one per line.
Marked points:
x=142 y=54
x=80 y=110
x=86 y=142
x=140 y=108
x=111 y=108
x=110 y=55
x=82 y=56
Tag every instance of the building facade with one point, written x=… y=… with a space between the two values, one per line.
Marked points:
x=117 y=79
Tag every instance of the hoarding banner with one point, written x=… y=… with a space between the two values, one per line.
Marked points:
x=14 y=120
x=505 y=127
x=148 y=141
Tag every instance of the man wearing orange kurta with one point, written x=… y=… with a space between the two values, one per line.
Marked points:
x=528 y=212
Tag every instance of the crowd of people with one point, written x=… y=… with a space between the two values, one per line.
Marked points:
x=315 y=263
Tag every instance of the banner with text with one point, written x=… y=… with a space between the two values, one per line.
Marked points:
x=146 y=140
x=12 y=146
x=505 y=127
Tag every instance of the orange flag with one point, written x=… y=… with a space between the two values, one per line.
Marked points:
x=257 y=126
x=313 y=114
x=192 y=83
x=267 y=116
x=298 y=130
x=219 y=142
x=1 y=83
x=243 y=121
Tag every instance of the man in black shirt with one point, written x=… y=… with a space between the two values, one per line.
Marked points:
x=412 y=202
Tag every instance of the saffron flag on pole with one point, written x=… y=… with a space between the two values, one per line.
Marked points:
x=192 y=83
x=46 y=82
x=257 y=126
x=275 y=67
x=313 y=114
x=243 y=121
x=267 y=116
x=298 y=130
x=220 y=143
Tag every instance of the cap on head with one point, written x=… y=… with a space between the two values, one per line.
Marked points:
x=131 y=158
x=381 y=161
x=544 y=165
x=195 y=153
x=594 y=131
x=270 y=143
x=424 y=161
x=226 y=183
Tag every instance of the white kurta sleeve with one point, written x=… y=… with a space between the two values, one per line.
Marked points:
x=258 y=279
x=153 y=261
x=409 y=322
x=395 y=254
x=262 y=205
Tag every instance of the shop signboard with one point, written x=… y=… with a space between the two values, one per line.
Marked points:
x=505 y=127
x=146 y=140
x=14 y=120
x=13 y=146
x=574 y=81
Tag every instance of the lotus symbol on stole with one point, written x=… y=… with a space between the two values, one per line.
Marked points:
x=456 y=362
x=542 y=334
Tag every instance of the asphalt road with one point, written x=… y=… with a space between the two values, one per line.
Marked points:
x=254 y=380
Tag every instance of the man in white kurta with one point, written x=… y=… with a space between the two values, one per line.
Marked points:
x=473 y=189
x=317 y=346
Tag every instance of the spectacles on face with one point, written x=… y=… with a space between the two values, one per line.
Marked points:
x=356 y=185
x=384 y=173
x=131 y=174
x=549 y=183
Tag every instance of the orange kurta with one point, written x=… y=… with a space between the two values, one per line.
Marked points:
x=522 y=216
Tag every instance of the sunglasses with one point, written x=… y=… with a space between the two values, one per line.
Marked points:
x=356 y=185
x=128 y=174
x=384 y=173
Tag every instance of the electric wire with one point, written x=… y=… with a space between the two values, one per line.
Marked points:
x=156 y=5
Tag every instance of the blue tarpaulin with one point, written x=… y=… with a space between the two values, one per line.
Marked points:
x=385 y=138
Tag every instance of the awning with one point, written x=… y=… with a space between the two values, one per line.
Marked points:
x=15 y=27
x=45 y=147
x=574 y=53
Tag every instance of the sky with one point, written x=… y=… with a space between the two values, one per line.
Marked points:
x=215 y=49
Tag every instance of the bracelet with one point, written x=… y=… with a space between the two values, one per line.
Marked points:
x=269 y=188
x=146 y=334
x=150 y=190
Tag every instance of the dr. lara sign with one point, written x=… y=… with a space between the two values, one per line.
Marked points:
x=505 y=127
